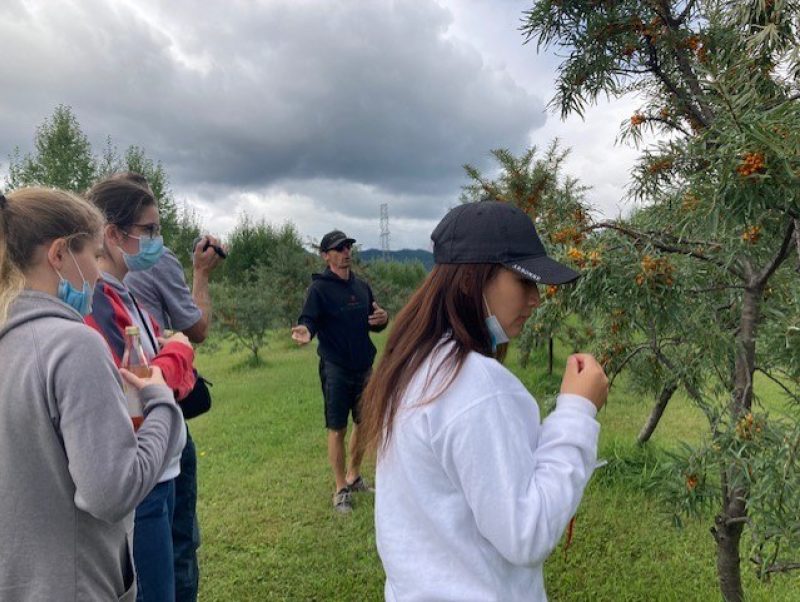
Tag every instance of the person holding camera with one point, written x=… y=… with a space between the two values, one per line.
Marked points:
x=164 y=292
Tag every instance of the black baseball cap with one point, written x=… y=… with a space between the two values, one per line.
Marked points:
x=495 y=232
x=333 y=239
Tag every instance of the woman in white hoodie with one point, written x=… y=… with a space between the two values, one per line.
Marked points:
x=473 y=491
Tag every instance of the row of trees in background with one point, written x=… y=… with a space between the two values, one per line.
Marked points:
x=262 y=284
x=63 y=158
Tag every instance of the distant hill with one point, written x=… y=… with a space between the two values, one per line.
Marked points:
x=426 y=257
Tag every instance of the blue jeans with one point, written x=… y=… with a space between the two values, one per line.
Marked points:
x=185 y=530
x=152 y=545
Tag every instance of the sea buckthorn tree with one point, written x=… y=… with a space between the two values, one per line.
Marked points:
x=697 y=290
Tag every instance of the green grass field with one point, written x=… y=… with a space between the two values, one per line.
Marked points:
x=269 y=531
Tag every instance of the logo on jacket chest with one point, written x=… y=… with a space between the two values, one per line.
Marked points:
x=353 y=302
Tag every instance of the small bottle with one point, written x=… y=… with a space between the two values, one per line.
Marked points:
x=134 y=360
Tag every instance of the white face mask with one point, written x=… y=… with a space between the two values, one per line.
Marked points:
x=496 y=331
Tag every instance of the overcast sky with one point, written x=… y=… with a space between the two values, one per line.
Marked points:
x=314 y=111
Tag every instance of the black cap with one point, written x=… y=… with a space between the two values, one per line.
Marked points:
x=494 y=232
x=333 y=239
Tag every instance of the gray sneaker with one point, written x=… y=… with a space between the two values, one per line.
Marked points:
x=342 y=501
x=360 y=485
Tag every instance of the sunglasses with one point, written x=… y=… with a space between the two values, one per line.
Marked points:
x=152 y=230
x=342 y=246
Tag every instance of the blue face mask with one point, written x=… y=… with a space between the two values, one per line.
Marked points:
x=496 y=332
x=79 y=300
x=150 y=251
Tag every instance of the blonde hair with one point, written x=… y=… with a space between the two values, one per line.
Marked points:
x=30 y=217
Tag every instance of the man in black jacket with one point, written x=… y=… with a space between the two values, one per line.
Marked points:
x=341 y=311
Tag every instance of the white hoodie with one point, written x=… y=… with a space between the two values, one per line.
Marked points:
x=473 y=492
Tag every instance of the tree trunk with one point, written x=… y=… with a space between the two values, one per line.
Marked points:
x=728 y=526
x=549 y=355
x=728 y=560
x=656 y=413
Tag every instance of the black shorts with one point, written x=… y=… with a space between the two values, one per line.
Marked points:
x=341 y=389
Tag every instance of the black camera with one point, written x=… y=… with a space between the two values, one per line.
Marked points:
x=219 y=250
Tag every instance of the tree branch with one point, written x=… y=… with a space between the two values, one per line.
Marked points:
x=662 y=246
x=684 y=67
x=794 y=396
x=693 y=392
x=713 y=289
x=686 y=241
x=780 y=256
x=623 y=71
x=694 y=85
x=682 y=96
x=685 y=13
x=737 y=520
x=780 y=567
x=629 y=357
x=673 y=124
x=783 y=101
x=797 y=241
x=636 y=350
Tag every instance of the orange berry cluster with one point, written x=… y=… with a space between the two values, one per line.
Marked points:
x=531 y=202
x=550 y=291
x=565 y=235
x=748 y=427
x=616 y=321
x=693 y=43
x=608 y=355
x=691 y=482
x=637 y=119
x=579 y=216
x=581 y=259
x=659 y=165
x=654 y=29
x=690 y=202
x=752 y=163
x=781 y=131
x=655 y=271
x=751 y=235
x=577 y=256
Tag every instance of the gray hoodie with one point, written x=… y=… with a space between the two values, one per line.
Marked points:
x=71 y=468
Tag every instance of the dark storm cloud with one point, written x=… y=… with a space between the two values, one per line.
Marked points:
x=242 y=95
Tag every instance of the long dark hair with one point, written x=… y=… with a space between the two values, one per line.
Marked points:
x=121 y=198
x=449 y=303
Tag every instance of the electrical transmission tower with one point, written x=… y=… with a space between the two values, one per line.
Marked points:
x=385 y=230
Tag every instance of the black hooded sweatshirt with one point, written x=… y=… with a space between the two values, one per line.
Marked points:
x=337 y=310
